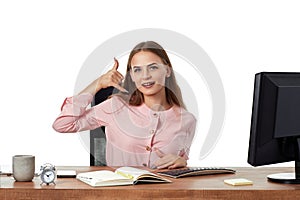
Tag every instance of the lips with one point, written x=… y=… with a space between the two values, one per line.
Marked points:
x=148 y=84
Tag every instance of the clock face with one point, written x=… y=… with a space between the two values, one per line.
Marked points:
x=48 y=176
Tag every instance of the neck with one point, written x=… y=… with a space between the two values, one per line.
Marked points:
x=157 y=102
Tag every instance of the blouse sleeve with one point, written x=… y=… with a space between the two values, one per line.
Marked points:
x=189 y=138
x=75 y=116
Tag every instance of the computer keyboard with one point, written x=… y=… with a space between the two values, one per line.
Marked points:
x=196 y=171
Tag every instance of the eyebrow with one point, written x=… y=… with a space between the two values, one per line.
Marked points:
x=144 y=65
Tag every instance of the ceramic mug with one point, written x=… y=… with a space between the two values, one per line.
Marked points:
x=23 y=167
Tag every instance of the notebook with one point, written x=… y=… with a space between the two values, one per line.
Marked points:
x=121 y=176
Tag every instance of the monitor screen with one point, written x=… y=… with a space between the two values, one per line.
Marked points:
x=275 y=123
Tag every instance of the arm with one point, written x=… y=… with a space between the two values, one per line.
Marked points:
x=75 y=117
x=172 y=161
x=169 y=161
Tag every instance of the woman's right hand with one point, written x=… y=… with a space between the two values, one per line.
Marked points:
x=110 y=78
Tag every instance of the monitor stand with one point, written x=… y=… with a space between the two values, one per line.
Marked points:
x=289 y=178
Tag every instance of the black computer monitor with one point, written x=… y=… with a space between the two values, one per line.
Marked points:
x=275 y=124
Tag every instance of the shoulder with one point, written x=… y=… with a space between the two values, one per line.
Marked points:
x=188 y=115
x=184 y=115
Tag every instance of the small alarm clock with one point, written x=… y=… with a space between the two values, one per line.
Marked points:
x=48 y=174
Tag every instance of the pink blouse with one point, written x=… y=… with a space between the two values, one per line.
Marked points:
x=132 y=132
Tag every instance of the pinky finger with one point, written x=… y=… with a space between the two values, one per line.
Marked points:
x=120 y=88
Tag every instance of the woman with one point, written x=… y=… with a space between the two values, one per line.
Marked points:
x=146 y=122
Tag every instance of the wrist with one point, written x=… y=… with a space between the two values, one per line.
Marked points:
x=98 y=85
x=182 y=161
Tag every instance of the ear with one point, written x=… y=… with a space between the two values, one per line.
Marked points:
x=169 y=71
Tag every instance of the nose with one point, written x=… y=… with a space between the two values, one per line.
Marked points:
x=146 y=73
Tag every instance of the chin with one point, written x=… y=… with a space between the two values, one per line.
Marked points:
x=151 y=91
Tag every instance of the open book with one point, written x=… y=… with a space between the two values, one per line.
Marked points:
x=122 y=176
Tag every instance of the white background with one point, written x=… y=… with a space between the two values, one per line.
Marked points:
x=43 y=45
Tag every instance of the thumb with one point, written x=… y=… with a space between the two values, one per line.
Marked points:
x=159 y=153
x=116 y=65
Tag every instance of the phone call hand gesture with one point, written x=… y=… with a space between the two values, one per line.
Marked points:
x=112 y=78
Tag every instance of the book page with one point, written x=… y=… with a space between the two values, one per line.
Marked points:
x=140 y=175
x=103 y=178
x=131 y=172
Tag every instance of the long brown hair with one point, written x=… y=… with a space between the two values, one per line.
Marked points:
x=173 y=92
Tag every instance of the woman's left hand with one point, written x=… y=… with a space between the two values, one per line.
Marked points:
x=169 y=161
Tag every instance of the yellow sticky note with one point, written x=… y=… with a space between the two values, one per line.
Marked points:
x=238 y=181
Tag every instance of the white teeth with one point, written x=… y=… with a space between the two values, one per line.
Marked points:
x=148 y=83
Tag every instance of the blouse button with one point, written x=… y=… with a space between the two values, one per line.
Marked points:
x=148 y=148
x=154 y=114
x=144 y=164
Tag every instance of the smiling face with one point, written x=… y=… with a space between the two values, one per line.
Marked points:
x=150 y=78
x=149 y=73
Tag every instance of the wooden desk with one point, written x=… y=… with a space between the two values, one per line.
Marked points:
x=200 y=187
